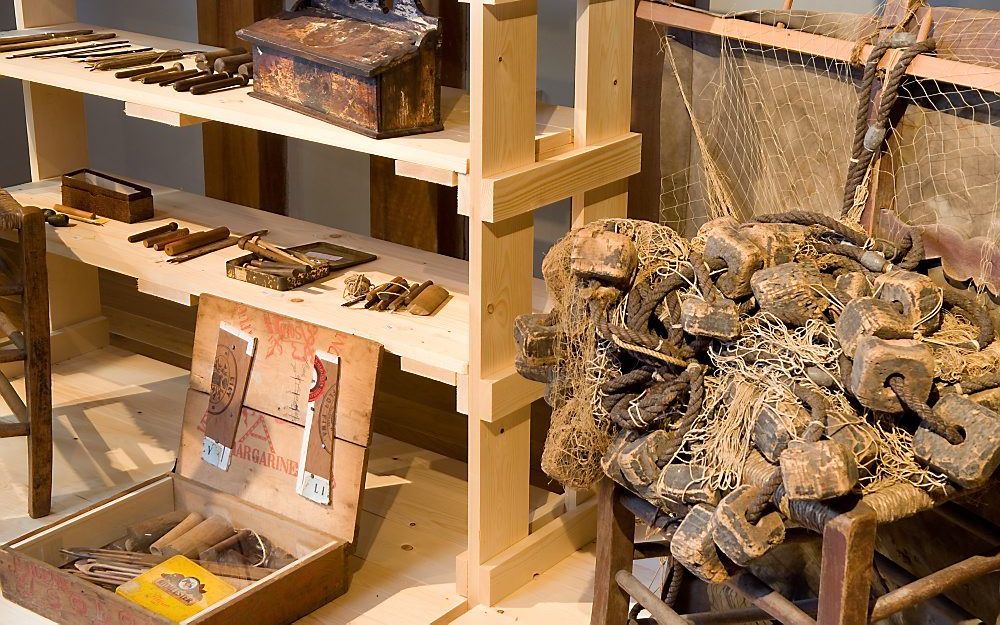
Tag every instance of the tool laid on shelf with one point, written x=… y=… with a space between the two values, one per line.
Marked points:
x=284 y=268
x=43 y=36
x=418 y=298
x=54 y=41
x=45 y=53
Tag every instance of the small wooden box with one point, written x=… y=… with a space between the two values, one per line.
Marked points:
x=107 y=196
x=258 y=490
x=350 y=63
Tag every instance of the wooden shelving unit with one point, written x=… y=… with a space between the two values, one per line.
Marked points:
x=506 y=154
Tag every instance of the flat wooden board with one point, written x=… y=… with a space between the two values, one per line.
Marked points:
x=448 y=149
x=282 y=372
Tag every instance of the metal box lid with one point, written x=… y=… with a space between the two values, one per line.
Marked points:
x=359 y=37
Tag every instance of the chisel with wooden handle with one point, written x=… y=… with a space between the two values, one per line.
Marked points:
x=138 y=71
x=177 y=235
x=145 y=234
x=224 y=82
x=139 y=59
x=229 y=64
x=171 y=236
x=197 y=240
x=66 y=52
x=154 y=76
x=93 y=57
x=56 y=41
x=213 y=247
x=206 y=60
x=43 y=36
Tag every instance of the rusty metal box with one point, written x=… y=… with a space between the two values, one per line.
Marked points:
x=110 y=197
x=372 y=66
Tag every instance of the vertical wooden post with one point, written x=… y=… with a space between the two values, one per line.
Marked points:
x=57 y=143
x=242 y=166
x=615 y=546
x=502 y=128
x=845 y=570
x=603 y=109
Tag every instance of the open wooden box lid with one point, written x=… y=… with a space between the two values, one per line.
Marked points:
x=302 y=378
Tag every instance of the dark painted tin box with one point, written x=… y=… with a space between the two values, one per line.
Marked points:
x=372 y=66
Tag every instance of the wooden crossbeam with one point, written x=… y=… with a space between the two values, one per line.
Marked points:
x=923 y=66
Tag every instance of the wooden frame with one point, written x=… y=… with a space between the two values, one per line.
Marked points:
x=508 y=138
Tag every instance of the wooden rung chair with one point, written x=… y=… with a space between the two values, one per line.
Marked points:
x=845 y=597
x=25 y=276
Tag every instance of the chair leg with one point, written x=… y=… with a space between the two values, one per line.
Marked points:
x=615 y=549
x=40 y=460
x=845 y=574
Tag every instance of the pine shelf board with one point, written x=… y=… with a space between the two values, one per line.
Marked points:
x=440 y=341
x=447 y=150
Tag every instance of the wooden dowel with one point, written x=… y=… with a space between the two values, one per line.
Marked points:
x=197 y=240
x=172 y=235
x=140 y=536
x=372 y=299
x=413 y=293
x=179 y=76
x=54 y=41
x=188 y=83
x=209 y=532
x=219 y=85
x=148 y=79
x=206 y=60
x=213 y=552
x=74 y=212
x=229 y=64
x=145 y=234
x=161 y=245
x=138 y=71
x=42 y=36
x=189 y=523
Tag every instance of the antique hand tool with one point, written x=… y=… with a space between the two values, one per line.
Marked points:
x=197 y=240
x=374 y=298
x=225 y=81
x=138 y=71
x=245 y=70
x=429 y=300
x=79 y=215
x=271 y=252
x=206 y=60
x=171 y=78
x=154 y=76
x=212 y=247
x=142 y=236
x=159 y=243
x=43 y=36
x=90 y=57
x=412 y=294
x=55 y=41
x=136 y=60
x=229 y=64
x=186 y=85
x=53 y=54
x=270 y=265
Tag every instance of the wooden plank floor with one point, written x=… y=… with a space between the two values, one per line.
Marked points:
x=117 y=422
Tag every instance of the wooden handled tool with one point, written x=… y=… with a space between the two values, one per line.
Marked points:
x=372 y=299
x=186 y=85
x=55 y=41
x=42 y=36
x=135 y=60
x=74 y=212
x=245 y=70
x=138 y=71
x=212 y=247
x=389 y=296
x=229 y=64
x=197 y=240
x=225 y=82
x=45 y=53
x=260 y=248
x=177 y=235
x=206 y=60
x=93 y=57
x=140 y=536
x=271 y=266
x=179 y=76
x=142 y=236
x=213 y=552
x=408 y=296
x=429 y=300
x=155 y=76
x=172 y=235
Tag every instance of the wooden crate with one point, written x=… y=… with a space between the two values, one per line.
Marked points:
x=258 y=490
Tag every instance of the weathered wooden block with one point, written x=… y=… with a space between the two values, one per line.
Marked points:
x=537 y=339
x=788 y=292
x=693 y=545
x=972 y=462
x=867 y=316
x=877 y=359
x=855 y=284
x=847 y=429
x=740 y=255
x=777 y=242
x=603 y=255
x=738 y=538
x=719 y=320
x=610 y=460
x=685 y=483
x=916 y=294
x=640 y=460
x=817 y=470
x=989 y=398
x=776 y=426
